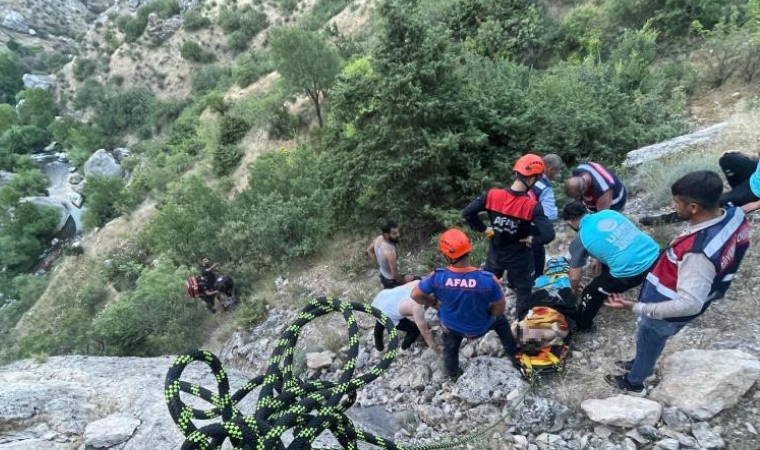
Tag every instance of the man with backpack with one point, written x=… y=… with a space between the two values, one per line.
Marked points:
x=696 y=269
x=624 y=253
x=517 y=223
x=597 y=186
x=470 y=301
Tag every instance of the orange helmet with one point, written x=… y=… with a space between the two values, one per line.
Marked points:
x=454 y=244
x=529 y=165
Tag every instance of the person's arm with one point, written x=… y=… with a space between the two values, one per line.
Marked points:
x=371 y=250
x=604 y=201
x=470 y=214
x=422 y=298
x=497 y=308
x=418 y=314
x=577 y=260
x=393 y=265
x=750 y=207
x=695 y=277
x=544 y=230
x=549 y=203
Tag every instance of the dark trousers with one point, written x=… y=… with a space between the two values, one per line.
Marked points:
x=452 y=341
x=738 y=169
x=599 y=289
x=412 y=333
x=518 y=263
x=389 y=283
x=209 y=300
x=539 y=260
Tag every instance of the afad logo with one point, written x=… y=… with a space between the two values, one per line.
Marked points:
x=461 y=282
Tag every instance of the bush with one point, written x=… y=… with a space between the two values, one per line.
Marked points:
x=225 y=159
x=27 y=183
x=191 y=51
x=23 y=235
x=102 y=195
x=211 y=78
x=10 y=77
x=24 y=292
x=241 y=24
x=126 y=111
x=84 y=68
x=90 y=94
x=250 y=313
x=251 y=66
x=232 y=129
x=8 y=117
x=323 y=11
x=194 y=20
x=157 y=319
x=39 y=108
x=23 y=139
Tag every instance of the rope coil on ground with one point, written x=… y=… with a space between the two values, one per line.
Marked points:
x=285 y=402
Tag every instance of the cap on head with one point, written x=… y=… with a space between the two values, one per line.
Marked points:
x=530 y=165
x=574 y=210
x=454 y=244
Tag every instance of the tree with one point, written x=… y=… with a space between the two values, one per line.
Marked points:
x=10 y=77
x=7 y=117
x=305 y=62
x=38 y=108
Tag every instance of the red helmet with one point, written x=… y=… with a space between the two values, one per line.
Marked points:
x=529 y=165
x=454 y=244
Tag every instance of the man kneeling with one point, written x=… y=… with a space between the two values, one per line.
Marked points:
x=397 y=304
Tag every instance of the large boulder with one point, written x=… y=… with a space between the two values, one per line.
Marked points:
x=703 y=383
x=13 y=20
x=675 y=145
x=112 y=430
x=159 y=30
x=45 y=82
x=488 y=380
x=623 y=411
x=65 y=221
x=103 y=164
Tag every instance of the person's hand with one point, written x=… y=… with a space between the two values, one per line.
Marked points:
x=596 y=266
x=617 y=301
x=489 y=232
x=750 y=207
x=528 y=241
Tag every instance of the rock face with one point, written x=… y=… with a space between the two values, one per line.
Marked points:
x=110 y=431
x=488 y=380
x=623 y=411
x=67 y=401
x=39 y=81
x=13 y=20
x=701 y=383
x=652 y=152
x=102 y=164
x=160 y=30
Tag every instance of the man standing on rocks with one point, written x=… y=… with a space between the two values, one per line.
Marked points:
x=517 y=223
x=624 y=252
x=696 y=269
x=470 y=301
x=383 y=251
x=597 y=187
x=398 y=305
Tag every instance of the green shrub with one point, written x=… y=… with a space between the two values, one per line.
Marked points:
x=241 y=24
x=27 y=183
x=10 y=77
x=84 y=68
x=251 y=66
x=90 y=94
x=22 y=139
x=124 y=265
x=194 y=20
x=23 y=235
x=250 y=313
x=8 y=117
x=215 y=102
x=126 y=111
x=102 y=194
x=24 y=292
x=191 y=51
x=287 y=6
x=323 y=11
x=226 y=158
x=654 y=179
x=157 y=319
x=39 y=108
x=211 y=78
x=232 y=129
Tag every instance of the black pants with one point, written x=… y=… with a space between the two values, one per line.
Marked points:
x=738 y=169
x=452 y=341
x=389 y=283
x=599 y=289
x=539 y=260
x=412 y=333
x=518 y=262
x=209 y=300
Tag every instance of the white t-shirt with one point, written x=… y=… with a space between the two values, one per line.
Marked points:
x=388 y=301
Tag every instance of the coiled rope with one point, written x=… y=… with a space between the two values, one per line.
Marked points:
x=286 y=402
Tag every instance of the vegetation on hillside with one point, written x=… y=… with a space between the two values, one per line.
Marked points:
x=412 y=123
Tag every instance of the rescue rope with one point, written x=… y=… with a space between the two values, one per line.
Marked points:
x=285 y=402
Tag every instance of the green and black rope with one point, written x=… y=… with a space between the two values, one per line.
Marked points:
x=285 y=401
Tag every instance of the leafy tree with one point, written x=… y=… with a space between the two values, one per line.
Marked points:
x=126 y=111
x=26 y=183
x=8 y=117
x=90 y=94
x=102 y=195
x=38 y=109
x=10 y=77
x=306 y=62
x=23 y=139
x=251 y=66
x=22 y=235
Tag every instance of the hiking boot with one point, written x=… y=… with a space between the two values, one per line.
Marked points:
x=621 y=382
x=455 y=377
x=649 y=221
x=410 y=339
x=625 y=365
